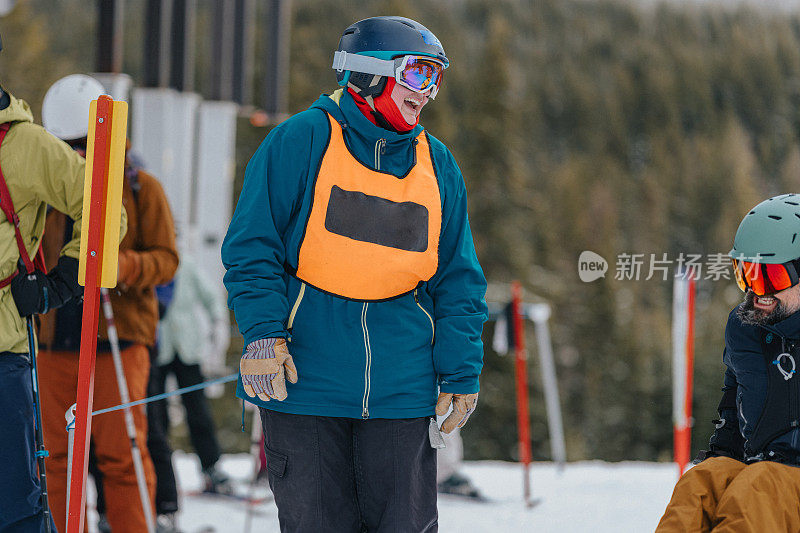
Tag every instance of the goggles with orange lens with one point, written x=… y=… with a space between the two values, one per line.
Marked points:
x=765 y=278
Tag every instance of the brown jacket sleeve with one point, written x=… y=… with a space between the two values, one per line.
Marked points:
x=149 y=257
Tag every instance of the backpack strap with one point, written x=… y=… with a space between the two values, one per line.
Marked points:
x=7 y=205
x=9 y=279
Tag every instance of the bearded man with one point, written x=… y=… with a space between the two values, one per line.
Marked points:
x=749 y=480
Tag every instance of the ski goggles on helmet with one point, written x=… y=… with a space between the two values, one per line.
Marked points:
x=416 y=72
x=419 y=73
x=765 y=278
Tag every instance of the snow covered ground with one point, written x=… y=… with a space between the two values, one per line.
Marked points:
x=592 y=497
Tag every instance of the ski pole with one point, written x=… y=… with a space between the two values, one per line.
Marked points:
x=255 y=443
x=41 y=453
x=113 y=339
x=70 y=417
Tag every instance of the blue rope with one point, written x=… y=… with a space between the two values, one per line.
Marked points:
x=226 y=379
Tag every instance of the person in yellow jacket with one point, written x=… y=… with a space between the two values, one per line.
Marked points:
x=39 y=170
x=147 y=257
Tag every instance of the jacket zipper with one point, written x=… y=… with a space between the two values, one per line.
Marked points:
x=380 y=148
x=368 y=365
x=741 y=410
x=296 y=306
x=793 y=400
x=433 y=330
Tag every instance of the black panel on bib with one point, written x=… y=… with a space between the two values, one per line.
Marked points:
x=376 y=220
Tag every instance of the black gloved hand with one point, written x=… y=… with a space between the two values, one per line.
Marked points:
x=37 y=293
x=727 y=440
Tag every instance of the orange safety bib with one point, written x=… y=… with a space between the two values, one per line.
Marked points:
x=371 y=235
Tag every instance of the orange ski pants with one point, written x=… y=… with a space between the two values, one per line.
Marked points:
x=724 y=495
x=58 y=378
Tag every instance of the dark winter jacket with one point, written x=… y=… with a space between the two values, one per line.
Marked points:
x=753 y=370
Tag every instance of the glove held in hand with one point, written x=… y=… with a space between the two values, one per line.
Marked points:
x=463 y=406
x=265 y=366
x=37 y=292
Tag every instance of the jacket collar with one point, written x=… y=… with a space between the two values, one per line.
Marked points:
x=788 y=328
x=17 y=111
x=348 y=113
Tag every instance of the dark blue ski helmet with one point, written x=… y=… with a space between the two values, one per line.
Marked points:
x=387 y=38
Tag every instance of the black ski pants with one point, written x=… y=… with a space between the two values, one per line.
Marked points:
x=158 y=444
x=347 y=475
x=202 y=430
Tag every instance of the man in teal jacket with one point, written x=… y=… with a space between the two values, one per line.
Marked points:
x=350 y=249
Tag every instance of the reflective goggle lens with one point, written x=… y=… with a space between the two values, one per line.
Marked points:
x=762 y=278
x=420 y=74
x=778 y=277
x=737 y=271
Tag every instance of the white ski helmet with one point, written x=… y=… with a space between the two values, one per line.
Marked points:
x=65 y=110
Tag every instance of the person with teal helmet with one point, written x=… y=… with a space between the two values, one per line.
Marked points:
x=765 y=254
x=355 y=283
x=750 y=477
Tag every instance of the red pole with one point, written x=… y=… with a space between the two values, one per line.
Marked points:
x=521 y=371
x=91 y=300
x=687 y=401
x=683 y=435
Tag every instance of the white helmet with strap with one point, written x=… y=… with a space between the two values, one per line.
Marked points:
x=65 y=110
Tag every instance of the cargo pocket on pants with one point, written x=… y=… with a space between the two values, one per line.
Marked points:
x=276 y=462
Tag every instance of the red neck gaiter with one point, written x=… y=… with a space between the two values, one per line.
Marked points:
x=385 y=106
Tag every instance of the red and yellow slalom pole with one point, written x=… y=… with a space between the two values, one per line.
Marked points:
x=100 y=228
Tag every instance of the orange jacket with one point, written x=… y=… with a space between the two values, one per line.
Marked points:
x=147 y=257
